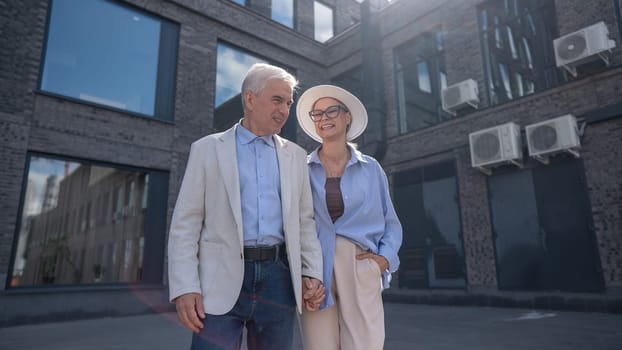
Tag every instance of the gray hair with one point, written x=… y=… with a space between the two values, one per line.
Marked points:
x=260 y=73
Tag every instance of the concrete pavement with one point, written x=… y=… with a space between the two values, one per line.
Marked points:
x=409 y=326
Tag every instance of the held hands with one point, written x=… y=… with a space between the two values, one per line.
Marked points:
x=313 y=293
x=379 y=259
x=190 y=311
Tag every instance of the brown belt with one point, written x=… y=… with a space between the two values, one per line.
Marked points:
x=263 y=253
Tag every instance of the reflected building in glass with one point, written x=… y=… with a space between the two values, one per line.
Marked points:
x=90 y=228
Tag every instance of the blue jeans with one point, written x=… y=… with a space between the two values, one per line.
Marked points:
x=266 y=307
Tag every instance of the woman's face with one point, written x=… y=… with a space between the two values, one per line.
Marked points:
x=333 y=123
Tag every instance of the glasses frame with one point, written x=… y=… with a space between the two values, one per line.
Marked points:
x=317 y=114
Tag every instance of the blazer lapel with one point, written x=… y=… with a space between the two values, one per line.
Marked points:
x=228 y=164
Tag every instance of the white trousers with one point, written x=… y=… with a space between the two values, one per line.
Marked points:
x=356 y=321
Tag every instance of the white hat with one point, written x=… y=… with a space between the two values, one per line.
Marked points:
x=354 y=105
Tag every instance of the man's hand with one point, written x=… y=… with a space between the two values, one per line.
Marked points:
x=313 y=293
x=190 y=311
x=382 y=262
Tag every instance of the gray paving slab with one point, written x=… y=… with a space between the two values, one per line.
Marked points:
x=408 y=326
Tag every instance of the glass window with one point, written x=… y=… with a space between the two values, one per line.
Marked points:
x=241 y=2
x=231 y=66
x=511 y=42
x=143 y=200
x=535 y=250
x=50 y=252
x=440 y=41
x=112 y=55
x=423 y=75
x=352 y=81
x=323 y=16
x=503 y=69
x=283 y=12
x=432 y=254
x=517 y=36
x=420 y=77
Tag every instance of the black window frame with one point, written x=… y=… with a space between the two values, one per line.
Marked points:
x=166 y=77
x=155 y=222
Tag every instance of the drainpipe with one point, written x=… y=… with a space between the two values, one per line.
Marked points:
x=373 y=83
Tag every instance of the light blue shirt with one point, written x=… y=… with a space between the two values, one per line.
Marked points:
x=260 y=188
x=368 y=219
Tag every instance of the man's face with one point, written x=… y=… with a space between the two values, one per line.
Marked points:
x=267 y=112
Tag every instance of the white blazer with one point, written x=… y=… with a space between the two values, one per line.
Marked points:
x=205 y=244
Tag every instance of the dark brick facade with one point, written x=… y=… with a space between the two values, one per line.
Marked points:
x=35 y=121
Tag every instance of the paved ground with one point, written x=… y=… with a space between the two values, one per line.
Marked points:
x=409 y=326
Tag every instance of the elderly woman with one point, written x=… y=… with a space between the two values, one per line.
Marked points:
x=358 y=229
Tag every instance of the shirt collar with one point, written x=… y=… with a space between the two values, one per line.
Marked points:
x=245 y=136
x=357 y=156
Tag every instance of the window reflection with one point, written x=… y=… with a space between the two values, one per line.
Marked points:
x=231 y=67
x=527 y=53
x=108 y=54
x=283 y=12
x=498 y=37
x=102 y=53
x=432 y=253
x=511 y=32
x=512 y=43
x=232 y=64
x=420 y=76
x=323 y=19
x=503 y=70
x=352 y=81
x=423 y=77
x=72 y=232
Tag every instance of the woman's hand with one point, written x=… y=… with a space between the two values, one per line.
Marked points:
x=379 y=259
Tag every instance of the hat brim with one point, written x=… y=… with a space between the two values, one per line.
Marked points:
x=354 y=105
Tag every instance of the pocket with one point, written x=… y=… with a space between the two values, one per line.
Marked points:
x=283 y=262
x=368 y=268
x=375 y=267
x=369 y=275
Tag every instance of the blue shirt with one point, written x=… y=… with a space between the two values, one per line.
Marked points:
x=368 y=219
x=260 y=188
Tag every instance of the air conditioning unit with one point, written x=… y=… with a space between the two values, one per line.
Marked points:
x=494 y=146
x=459 y=95
x=587 y=44
x=552 y=136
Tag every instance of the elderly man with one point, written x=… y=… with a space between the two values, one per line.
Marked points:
x=243 y=250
